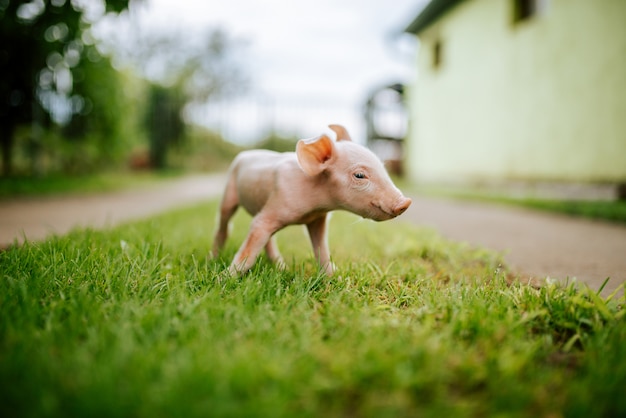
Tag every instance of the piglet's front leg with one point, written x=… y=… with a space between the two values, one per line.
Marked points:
x=261 y=231
x=319 y=241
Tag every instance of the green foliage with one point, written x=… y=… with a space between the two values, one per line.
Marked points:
x=97 y=139
x=608 y=210
x=54 y=185
x=136 y=322
x=42 y=52
x=203 y=150
x=278 y=143
x=109 y=126
x=65 y=109
x=614 y=211
x=184 y=72
x=164 y=122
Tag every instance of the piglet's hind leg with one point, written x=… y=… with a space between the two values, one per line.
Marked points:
x=271 y=248
x=228 y=207
x=319 y=241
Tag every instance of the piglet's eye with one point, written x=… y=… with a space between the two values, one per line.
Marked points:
x=359 y=175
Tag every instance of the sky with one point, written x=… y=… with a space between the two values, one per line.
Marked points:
x=310 y=63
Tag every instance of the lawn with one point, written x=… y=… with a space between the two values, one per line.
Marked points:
x=134 y=321
x=613 y=211
x=12 y=187
x=604 y=210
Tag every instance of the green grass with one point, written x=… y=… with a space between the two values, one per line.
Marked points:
x=18 y=186
x=136 y=322
x=614 y=211
x=606 y=210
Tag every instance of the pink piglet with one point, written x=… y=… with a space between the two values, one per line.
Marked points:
x=302 y=187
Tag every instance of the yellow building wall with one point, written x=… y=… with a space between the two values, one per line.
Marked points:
x=540 y=99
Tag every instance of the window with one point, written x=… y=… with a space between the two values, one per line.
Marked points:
x=527 y=9
x=437 y=51
x=523 y=9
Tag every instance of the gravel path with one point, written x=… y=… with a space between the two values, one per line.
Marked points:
x=534 y=244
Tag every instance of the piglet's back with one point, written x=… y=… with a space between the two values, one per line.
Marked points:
x=255 y=171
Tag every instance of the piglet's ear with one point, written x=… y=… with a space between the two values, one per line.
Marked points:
x=342 y=133
x=315 y=154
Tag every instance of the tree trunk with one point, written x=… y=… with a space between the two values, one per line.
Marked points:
x=6 y=144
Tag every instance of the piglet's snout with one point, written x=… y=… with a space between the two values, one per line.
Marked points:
x=402 y=205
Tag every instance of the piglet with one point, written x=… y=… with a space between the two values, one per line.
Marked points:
x=281 y=189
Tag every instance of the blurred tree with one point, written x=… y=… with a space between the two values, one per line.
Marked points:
x=42 y=44
x=164 y=124
x=185 y=71
x=201 y=66
x=109 y=105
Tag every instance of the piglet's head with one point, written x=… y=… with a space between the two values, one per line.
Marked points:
x=352 y=176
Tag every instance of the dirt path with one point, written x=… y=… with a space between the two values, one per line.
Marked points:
x=36 y=218
x=534 y=244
